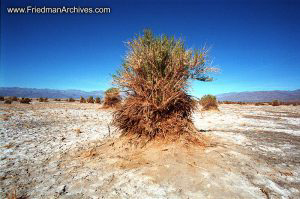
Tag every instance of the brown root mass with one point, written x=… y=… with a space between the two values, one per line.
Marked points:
x=139 y=116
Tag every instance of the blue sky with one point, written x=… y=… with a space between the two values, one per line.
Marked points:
x=255 y=43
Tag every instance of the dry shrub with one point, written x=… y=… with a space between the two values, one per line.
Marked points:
x=13 y=98
x=98 y=100
x=209 y=102
x=155 y=75
x=82 y=100
x=112 y=98
x=57 y=100
x=1 y=98
x=228 y=102
x=90 y=99
x=259 y=104
x=43 y=99
x=275 y=103
x=25 y=100
x=7 y=101
x=71 y=99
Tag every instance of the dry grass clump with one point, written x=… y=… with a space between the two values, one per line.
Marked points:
x=90 y=99
x=209 y=102
x=43 y=99
x=228 y=102
x=7 y=101
x=259 y=104
x=98 y=100
x=82 y=100
x=112 y=98
x=13 y=98
x=25 y=100
x=155 y=75
x=275 y=103
x=71 y=99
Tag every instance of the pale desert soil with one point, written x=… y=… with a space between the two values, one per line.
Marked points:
x=70 y=150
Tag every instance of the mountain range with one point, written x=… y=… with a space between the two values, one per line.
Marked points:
x=49 y=93
x=251 y=96
x=260 y=96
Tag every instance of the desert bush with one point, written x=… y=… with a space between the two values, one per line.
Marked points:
x=1 y=98
x=25 y=100
x=71 y=99
x=155 y=76
x=112 y=98
x=259 y=104
x=43 y=99
x=98 y=100
x=209 y=102
x=13 y=98
x=275 y=103
x=57 y=99
x=7 y=101
x=90 y=99
x=82 y=100
x=228 y=102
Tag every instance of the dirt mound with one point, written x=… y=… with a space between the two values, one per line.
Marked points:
x=192 y=165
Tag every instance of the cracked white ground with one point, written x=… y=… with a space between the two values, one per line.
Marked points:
x=255 y=153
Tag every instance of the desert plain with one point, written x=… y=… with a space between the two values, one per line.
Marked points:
x=71 y=150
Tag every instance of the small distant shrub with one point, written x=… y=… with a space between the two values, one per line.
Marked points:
x=98 y=100
x=82 y=100
x=8 y=101
x=1 y=98
x=90 y=99
x=229 y=102
x=57 y=100
x=71 y=100
x=25 y=100
x=275 y=103
x=13 y=98
x=43 y=99
x=112 y=97
x=209 y=102
x=259 y=104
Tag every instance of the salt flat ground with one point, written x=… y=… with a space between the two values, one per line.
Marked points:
x=70 y=150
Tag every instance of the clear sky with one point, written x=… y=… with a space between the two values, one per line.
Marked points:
x=255 y=43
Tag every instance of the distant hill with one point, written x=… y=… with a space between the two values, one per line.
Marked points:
x=254 y=96
x=260 y=96
x=49 y=93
